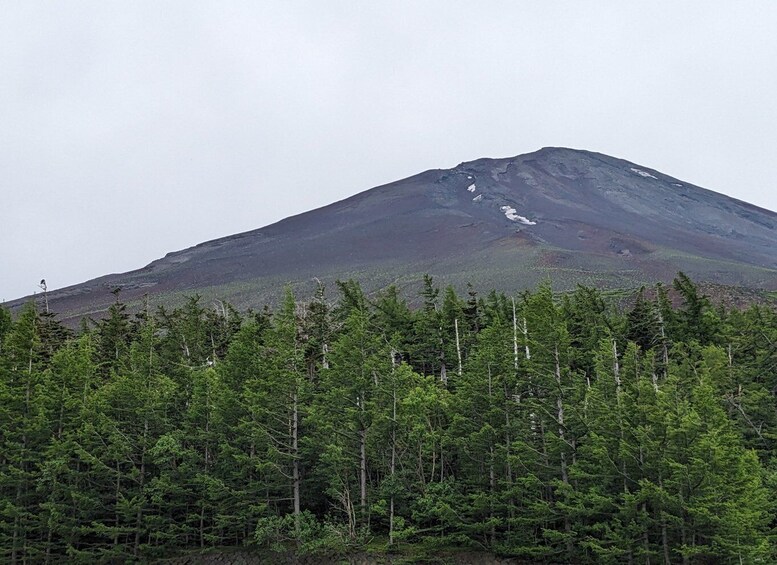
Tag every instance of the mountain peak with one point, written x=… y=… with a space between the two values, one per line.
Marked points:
x=574 y=215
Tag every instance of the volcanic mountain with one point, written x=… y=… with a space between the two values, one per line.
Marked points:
x=568 y=215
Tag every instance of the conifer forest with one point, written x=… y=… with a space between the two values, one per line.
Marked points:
x=551 y=428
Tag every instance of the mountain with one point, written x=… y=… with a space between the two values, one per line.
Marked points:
x=574 y=216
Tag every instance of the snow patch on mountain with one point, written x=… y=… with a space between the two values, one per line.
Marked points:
x=512 y=214
x=642 y=173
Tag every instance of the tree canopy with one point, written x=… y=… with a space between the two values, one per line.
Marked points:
x=543 y=427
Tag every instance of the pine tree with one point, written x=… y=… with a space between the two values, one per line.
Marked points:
x=275 y=402
x=68 y=383
x=550 y=398
x=390 y=451
x=114 y=335
x=427 y=355
x=22 y=437
x=6 y=322
x=483 y=425
x=241 y=450
x=317 y=330
x=696 y=319
x=712 y=486
x=343 y=415
x=567 y=430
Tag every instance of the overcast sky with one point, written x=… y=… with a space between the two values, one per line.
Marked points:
x=131 y=129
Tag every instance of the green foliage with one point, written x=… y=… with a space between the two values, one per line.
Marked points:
x=550 y=429
x=5 y=322
x=308 y=536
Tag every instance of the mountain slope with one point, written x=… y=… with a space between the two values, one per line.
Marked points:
x=576 y=216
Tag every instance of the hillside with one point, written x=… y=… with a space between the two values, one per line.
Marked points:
x=575 y=216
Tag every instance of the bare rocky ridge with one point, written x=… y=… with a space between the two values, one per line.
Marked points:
x=574 y=216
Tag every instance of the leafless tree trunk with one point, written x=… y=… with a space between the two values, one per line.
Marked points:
x=515 y=338
x=561 y=435
x=664 y=348
x=458 y=344
x=362 y=463
x=393 y=461
x=526 y=339
x=45 y=294
x=295 y=462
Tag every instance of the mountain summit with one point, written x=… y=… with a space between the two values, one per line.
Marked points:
x=574 y=216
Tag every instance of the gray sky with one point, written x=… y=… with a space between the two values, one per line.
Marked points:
x=131 y=129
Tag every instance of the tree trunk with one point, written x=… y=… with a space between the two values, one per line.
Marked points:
x=515 y=338
x=617 y=374
x=14 y=558
x=202 y=526
x=458 y=344
x=363 y=465
x=492 y=491
x=50 y=529
x=509 y=465
x=295 y=463
x=116 y=504
x=491 y=473
x=393 y=463
x=508 y=440
x=526 y=339
x=563 y=455
x=664 y=348
x=142 y=478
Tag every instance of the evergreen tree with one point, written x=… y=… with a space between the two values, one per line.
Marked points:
x=68 y=383
x=342 y=415
x=5 y=323
x=22 y=436
x=567 y=430
x=483 y=427
x=317 y=330
x=427 y=355
x=276 y=401
x=695 y=318
x=114 y=335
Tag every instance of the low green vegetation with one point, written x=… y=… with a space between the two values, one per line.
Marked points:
x=553 y=429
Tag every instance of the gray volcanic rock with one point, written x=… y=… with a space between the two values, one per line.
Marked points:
x=574 y=216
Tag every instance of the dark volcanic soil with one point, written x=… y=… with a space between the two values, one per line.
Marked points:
x=574 y=216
